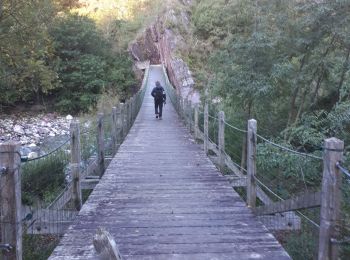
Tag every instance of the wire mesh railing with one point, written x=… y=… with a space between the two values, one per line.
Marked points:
x=38 y=197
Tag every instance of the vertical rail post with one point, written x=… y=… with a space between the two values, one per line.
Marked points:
x=206 y=127
x=189 y=114
x=196 y=126
x=119 y=124
x=75 y=163
x=10 y=200
x=330 y=199
x=114 y=129
x=100 y=144
x=129 y=114
x=251 y=163
x=123 y=111
x=221 y=140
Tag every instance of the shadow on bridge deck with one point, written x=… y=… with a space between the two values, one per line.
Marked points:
x=162 y=198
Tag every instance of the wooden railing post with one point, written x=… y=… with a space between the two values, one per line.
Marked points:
x=330 y=199
x=206 y=127
x=119 y=124
x=75 y=163
x=196 y=126
x=123 y=110
x=114 y=129
x=129 y=114
x=221 y=140
x=182 y=106
x=189 y=115
x=100 y=144
x=10 y=200
x=251 y=163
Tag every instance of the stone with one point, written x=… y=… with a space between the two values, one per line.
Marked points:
x=69 y=117
x=18 y=129
x=32 y=155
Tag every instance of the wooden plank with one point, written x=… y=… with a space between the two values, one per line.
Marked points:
x=161 y=195
x=10 y=200
x=303 y=201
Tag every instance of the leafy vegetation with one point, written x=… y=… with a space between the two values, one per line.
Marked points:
x=42 y=180
x=53 y=56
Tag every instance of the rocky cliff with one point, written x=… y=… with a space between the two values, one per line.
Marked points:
x=162 y=41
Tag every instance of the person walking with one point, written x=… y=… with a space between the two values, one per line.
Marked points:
x=159 y=98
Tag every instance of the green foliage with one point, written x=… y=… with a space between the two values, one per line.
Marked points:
x=38 y=247
x=47 y=53
x=43 y=179
x=84 y=64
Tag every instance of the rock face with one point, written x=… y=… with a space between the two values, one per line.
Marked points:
x=159 y=44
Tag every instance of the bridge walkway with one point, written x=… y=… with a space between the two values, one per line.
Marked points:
x=162 y=198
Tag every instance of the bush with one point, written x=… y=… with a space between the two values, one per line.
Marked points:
x=43 y=179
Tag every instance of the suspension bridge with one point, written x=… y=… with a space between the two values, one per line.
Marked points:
x=171 y=189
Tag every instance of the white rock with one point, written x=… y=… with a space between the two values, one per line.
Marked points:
x=32 y=145
x=32 y=155
x=69 y=117
x=18 y=129
x=52 y=134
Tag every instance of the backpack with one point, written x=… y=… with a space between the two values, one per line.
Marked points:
x=158 y=93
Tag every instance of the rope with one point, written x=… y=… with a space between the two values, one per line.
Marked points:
x=343 y=170
x=289 y=150
x=25 y=158
x=215 y=118
x=235 y=128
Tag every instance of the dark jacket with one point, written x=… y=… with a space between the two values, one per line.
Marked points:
x=158 y=89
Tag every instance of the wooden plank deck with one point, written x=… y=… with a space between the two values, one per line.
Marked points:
x=162 y=198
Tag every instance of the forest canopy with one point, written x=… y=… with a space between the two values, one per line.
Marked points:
x=53 y=53
x=285 y=63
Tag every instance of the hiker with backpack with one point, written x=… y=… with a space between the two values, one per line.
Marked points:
x=159 y=98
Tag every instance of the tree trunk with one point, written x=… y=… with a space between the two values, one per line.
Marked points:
x=342 y=77
x=300 y=111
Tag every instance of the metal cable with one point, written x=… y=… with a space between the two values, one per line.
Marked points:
x=235 y=128
x=215 y=118
x=25 y=158
x=343 y=170
x=280 y=198
x=289 y=150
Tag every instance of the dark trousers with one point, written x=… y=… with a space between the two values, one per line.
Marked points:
x=158 y=106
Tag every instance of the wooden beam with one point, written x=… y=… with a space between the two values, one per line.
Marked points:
x=221 y=140
x=237 y=181
x=75 y=163
x=251 y=163
x=206 y=127
x=331 y=198
x=196 y=127
x=10 y=200
x=100 y=144
x=307 y=200
x=89 y=184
